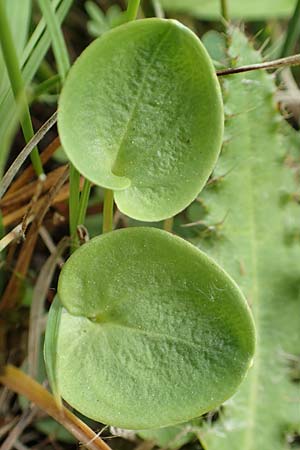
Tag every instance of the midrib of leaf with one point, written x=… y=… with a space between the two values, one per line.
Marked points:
x=139 y=94
x=150 y=334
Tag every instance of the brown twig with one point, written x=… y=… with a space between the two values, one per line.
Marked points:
x=22 y=384
x=14 y=168
x=277 y=63
x=13 y=235
x=50 y=244
x=4 y=429
x=29 y=173
x=14 y=216
x=25 y=420
x=10 y=296
x=25 y=192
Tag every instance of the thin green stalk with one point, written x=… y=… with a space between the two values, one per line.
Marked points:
x=45 y=71
x=292 y=34
x=30 y=61
x=132 y=9
x=159 y=12
x=84 y=200
x=63 y=66
x=46 y=86
x=36 y=37
x=74 y=200
x=224 y=10
x=58 y=42
x=108 y=210
x=17 y=84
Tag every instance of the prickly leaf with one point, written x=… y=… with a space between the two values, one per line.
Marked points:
x=141 y=114
x=154 y=333
x=251 y=228
x=238 y=9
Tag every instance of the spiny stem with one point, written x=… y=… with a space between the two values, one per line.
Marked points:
x=292 y=33
x=17 y=84
x=22 y=384
x=132 y=9
x=108 y=209
x=224 y=10
x=277 y=63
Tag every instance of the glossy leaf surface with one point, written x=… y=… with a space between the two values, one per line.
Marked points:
x=238 y=9
x=141 y=114
x=154 y=332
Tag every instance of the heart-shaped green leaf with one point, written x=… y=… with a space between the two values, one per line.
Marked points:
x=141 y=114
x=154 y=332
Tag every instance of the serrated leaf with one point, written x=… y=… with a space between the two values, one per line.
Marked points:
x=141 y=114
x=238 y=9
x=251 y=229
x=153 y=334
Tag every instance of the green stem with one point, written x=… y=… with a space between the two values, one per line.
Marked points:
x=48 y=85
x=159 y=12
x=132 y=9
x=84 y=200
x=17 y=84
x=58 y=42
x=63 y=66
x=224 y=10
x=108 y=209
x=74 y=199
x=292 y=34
x=74 y=202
